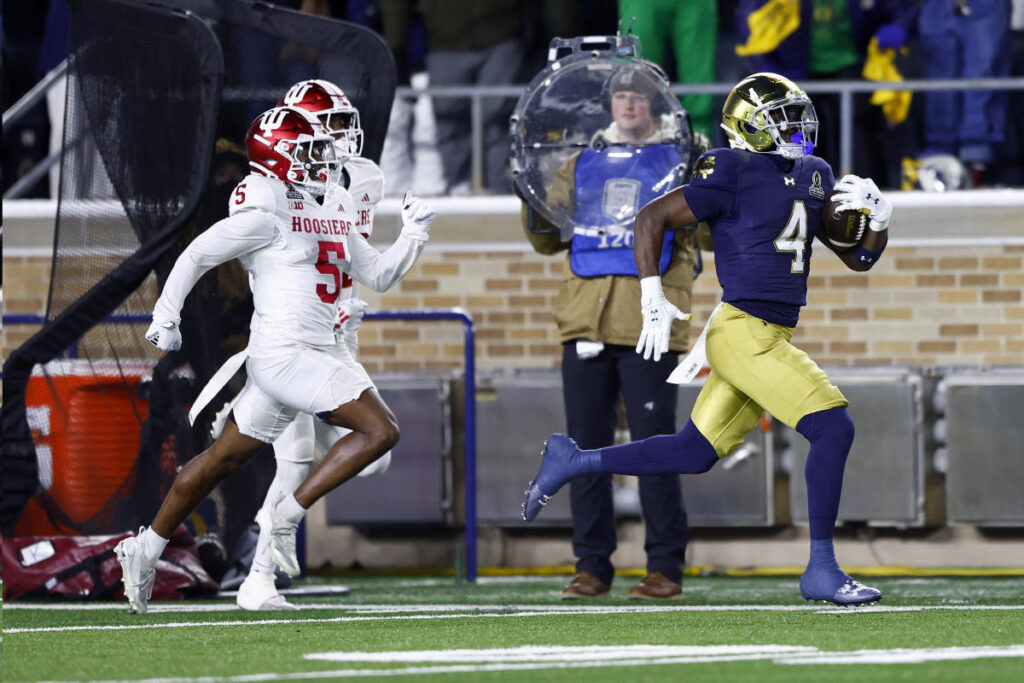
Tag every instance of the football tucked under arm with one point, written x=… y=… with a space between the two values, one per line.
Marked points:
x=853 y=233
x=843 y=230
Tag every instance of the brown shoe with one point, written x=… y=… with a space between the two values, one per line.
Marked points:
x=585 y=585
x=656 y=586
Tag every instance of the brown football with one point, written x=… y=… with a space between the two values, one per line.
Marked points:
x=843 y=229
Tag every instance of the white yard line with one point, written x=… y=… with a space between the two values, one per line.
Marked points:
x=904 y=656
x=557 y=653
x=426 y=612
x=602 y=656
x=167 y=606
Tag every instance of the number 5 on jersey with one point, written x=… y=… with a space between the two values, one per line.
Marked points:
x=793 y=237
x=327 y=266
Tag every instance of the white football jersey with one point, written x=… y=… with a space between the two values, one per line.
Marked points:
x=366 y=186
x=297 y=281
x=296 y=251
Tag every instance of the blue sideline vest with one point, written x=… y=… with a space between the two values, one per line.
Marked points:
x=618 y=179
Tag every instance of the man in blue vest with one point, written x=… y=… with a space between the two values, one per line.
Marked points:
x=629 y=163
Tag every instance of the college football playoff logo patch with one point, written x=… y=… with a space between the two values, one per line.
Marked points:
x=816 y=190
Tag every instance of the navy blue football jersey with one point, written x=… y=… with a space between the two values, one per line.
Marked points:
x=764 y=211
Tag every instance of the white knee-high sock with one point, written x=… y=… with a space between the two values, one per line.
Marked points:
x=287 y=478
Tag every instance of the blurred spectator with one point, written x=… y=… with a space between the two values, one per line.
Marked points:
x=828 y=40
x=690 y=29
x=410 y=160
x=471 y=43
x=24 y=142
x=54 y=50
x=1012 y=172
x=263 y=62
x=543 y=21
x=965 y=39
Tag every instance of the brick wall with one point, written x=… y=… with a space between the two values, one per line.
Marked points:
x=918 y=306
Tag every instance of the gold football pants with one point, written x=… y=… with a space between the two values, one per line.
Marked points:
x=755 y=368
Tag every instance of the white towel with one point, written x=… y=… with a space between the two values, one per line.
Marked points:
x=217 y=382
x=696 y=359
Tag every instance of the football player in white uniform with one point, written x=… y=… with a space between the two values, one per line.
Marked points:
x=293 y=230
x=295 y=449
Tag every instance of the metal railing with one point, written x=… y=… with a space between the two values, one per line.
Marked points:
x=478 y=93
x=845 y=89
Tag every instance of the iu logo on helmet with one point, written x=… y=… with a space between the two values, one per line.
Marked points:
x=297 y=93
x=272 y=120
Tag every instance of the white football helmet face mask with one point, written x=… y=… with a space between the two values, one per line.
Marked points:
x=318 y=161
x=344 y=127
x=291 y=144
x=332 y=107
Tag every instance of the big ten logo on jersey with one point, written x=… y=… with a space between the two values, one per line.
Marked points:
x=294 y=199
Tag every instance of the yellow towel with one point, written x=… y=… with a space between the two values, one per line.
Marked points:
x=881 y=66
x=769 y=26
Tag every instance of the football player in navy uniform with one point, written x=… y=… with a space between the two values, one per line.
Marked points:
x=763 y=199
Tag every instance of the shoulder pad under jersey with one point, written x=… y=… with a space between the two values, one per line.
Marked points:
x=366 y=181
x=717 y=168
x=339 y=200
x=256 y=192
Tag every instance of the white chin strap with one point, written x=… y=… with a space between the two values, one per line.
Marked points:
x=789 y=151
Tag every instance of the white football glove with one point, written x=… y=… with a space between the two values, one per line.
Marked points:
x=417 y=217
x=350 y=315
x=164 y=335
x=853 y=192
x=659 y=314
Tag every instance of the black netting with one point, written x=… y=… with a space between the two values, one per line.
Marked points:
x=142 y=95
x=158 y=99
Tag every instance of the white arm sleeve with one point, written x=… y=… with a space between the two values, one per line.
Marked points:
x=381 y=270
x=226 y=239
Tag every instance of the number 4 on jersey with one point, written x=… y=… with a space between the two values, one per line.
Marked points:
x=793 y=237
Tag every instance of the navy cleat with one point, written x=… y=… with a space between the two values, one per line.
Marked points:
x=850 y=592
x=562 y=461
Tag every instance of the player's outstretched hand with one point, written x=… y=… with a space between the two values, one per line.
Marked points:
x=659 y=314
x=854 y=192
x=417 y=217
x=350 y=314
x=164 y=335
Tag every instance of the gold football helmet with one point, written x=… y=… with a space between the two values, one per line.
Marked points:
x=771 y=114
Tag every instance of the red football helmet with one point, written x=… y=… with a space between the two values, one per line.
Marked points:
x=329 y=104
x=291 y=144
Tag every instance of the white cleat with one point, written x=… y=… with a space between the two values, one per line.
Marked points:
x=259 y=594
x=137 y=577
x=280 y=537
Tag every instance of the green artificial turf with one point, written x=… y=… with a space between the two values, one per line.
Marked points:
x=439 y=619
